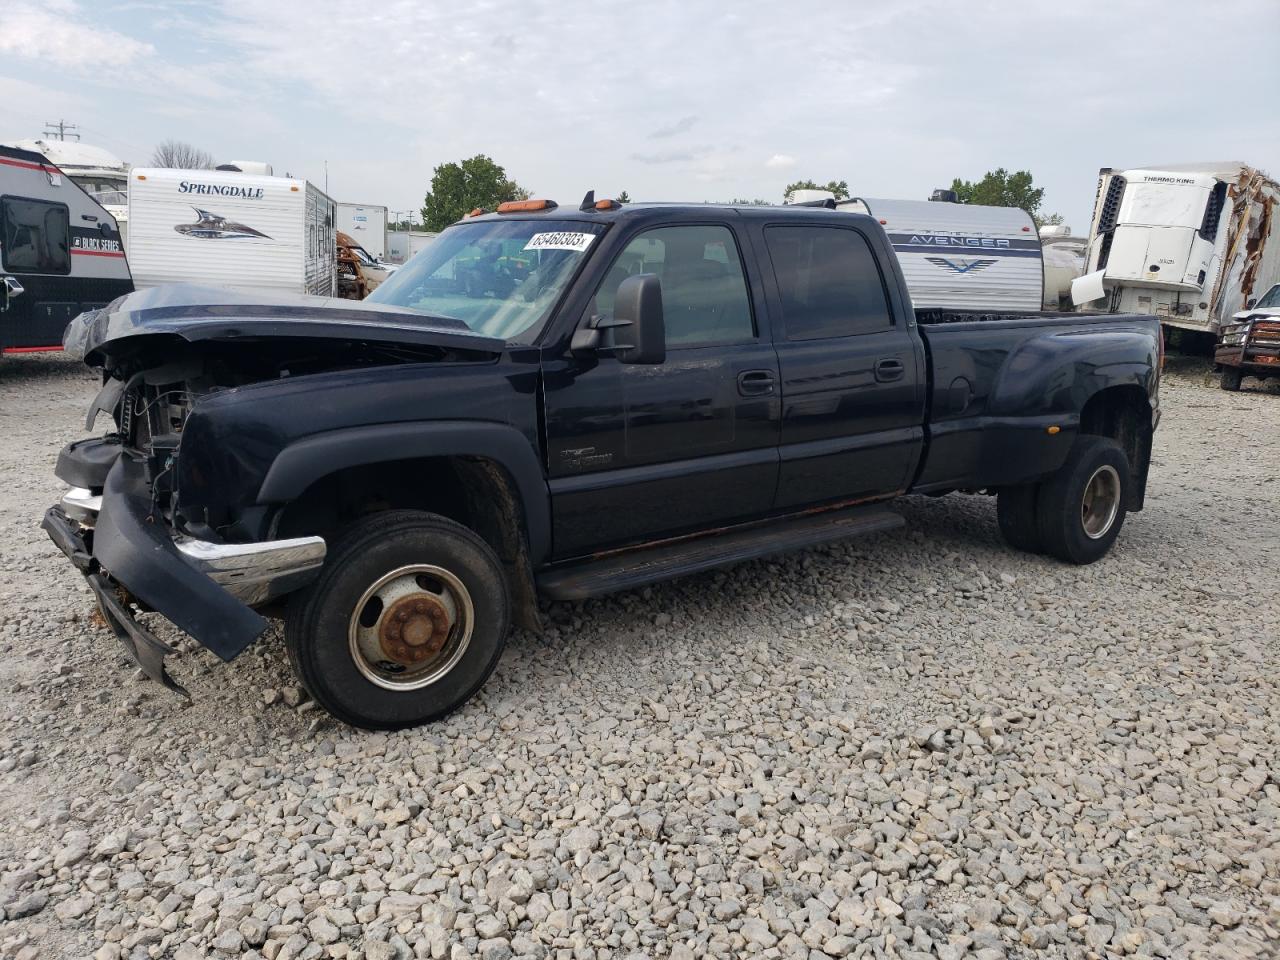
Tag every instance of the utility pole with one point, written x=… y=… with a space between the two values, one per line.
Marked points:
x=61 y=129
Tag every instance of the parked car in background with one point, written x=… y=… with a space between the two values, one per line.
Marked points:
x=60 y=252
x=359 y=274
x=1250 y=344
x=565 y=402
x=1190 y=243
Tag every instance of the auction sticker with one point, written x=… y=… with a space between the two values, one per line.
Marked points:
x=560 y=241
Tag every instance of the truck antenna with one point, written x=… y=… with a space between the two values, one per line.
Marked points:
x=589 y=201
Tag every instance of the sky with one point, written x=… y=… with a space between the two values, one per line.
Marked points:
x=666 y=99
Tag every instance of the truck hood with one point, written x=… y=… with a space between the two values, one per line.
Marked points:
x=195 y=313
x=1257 y=313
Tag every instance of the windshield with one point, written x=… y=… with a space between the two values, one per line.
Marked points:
x=1271 y=298
x=500 y=278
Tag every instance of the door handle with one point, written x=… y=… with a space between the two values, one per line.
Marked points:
x=890 y=368
x=755 y=383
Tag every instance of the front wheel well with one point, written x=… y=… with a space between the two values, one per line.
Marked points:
x=477 y=492
x=1123 y=414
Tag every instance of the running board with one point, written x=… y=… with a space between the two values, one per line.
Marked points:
x=626 y=570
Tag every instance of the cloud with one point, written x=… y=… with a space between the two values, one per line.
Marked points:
x=780 y=161
x=683 y=125
x=55 y=34
x=669 y=156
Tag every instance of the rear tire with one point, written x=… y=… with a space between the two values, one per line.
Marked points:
x=1016 y=511
x=404 y=624
x=1081 y=508
x=1230 y=379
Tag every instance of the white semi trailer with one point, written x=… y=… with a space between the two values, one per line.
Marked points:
x=1189 y=243
x=366 y=225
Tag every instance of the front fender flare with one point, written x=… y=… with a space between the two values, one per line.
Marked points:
x=305 y=461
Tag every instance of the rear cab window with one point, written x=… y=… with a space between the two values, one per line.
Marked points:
x=829 y=282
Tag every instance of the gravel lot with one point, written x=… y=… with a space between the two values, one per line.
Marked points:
x=916 y=745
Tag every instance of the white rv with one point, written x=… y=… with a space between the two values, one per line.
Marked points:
x=366 y=225
x=60 y=252
x=961 y=255
x=98 y=172
x=1189 y=243
x=229 y=229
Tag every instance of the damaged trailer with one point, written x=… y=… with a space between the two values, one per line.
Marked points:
x=1189 y=243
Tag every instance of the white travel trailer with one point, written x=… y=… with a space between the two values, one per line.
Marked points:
x=60 y=252
x=962 y=255
x=98 y=172
x=366 y=225
x=1189 y=243
x=227 y=229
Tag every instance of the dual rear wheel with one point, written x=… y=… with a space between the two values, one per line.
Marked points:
x=1077 y=513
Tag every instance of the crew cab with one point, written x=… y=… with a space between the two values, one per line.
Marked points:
x=1250 y=343
x=561 y=403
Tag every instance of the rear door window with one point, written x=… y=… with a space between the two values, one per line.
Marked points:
x=36 y=235
x=829 y=282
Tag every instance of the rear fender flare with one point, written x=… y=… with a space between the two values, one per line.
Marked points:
x=303 y=462
x=1058 y=373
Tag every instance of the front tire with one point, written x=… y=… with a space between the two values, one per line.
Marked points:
x=1081 y=508
x=1230 y=379
x=404 y=624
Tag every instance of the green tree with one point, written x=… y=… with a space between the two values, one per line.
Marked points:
x=623 y=197
x=1000 y=188
x=459 y=188
x=838 y=187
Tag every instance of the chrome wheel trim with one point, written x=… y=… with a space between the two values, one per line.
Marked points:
x=419 y=579
x=1101 y=502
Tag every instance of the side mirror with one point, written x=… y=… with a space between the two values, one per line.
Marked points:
x=636 y=332
x=639 y=331
x=1251 y=303
x=12 y=287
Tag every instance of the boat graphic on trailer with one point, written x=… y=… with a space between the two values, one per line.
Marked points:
x=213 y=226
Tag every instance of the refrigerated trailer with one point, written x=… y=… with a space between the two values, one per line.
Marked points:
x=366 y=225
x=230 y=229
x=1189 y=243
x=60 y=252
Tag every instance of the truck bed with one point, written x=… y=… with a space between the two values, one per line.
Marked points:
x=999 y=382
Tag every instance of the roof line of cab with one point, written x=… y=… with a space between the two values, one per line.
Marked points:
x=603 y=210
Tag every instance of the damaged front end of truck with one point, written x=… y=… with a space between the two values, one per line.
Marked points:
x=153 y=526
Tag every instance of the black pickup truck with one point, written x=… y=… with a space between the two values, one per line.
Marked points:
x=564 y=402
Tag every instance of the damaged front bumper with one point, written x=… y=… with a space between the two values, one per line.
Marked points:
x=117 y=539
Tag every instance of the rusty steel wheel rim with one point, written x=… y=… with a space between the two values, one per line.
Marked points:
x=411 y=627
x=1101 y=502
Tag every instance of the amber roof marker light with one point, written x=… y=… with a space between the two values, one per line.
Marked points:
x=525 y=206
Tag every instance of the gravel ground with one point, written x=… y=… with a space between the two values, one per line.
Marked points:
x=916 y=745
